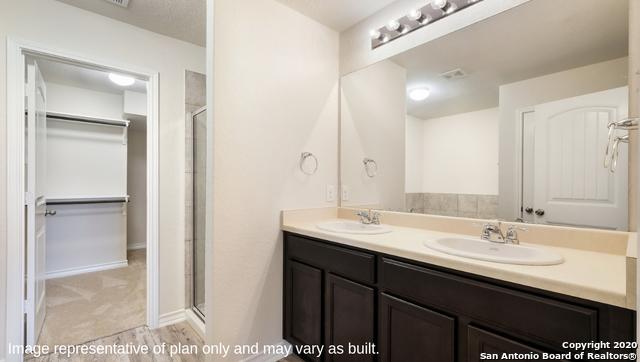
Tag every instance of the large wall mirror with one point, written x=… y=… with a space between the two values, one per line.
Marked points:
x=507 y=118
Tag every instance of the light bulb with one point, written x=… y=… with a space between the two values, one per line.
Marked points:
x=419 y=94
x=415 y=15
x=121 y=80
x=375 y=34
x=439 y=4
x=393 y=25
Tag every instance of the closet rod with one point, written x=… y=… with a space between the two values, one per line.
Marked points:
x=93 y=200
x=85 y=119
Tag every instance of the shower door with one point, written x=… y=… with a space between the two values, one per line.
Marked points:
x=199 y=199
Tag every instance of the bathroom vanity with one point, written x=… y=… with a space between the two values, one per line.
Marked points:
x=339 y=291
x=446 y=136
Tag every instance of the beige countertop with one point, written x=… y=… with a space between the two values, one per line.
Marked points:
x=598 y=274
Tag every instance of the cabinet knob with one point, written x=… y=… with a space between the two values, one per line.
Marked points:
x=540 y=212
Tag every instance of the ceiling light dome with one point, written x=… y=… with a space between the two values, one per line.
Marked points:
x=419 y=94
x=121 y=80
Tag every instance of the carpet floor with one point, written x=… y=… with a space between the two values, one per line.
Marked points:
x=90 y=306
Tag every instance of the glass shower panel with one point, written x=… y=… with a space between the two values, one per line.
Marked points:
x=199 y=197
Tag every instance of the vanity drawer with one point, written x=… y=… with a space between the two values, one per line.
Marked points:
x=348 y=263
x=546 y=320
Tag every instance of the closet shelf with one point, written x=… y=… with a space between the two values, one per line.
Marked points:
x=88 y=119
x=87 y=200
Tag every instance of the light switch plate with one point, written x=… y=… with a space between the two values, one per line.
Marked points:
x=345 y=193
x=331 y=193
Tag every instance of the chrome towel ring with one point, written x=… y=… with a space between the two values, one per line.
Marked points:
x=303 y=161
x=370 y=167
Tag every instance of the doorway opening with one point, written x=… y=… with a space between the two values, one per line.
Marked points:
x=83 y=245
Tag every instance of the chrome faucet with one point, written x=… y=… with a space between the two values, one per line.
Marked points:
x=369 y=217
x=512 y=234
x=511 y=237
x=490 y=229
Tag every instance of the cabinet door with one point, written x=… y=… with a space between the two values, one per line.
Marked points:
x=303 y=305
x=350 y=318
x=409 y=332
x=492 y=347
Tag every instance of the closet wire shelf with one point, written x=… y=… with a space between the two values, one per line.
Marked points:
x=88 y=200
x=86 y=119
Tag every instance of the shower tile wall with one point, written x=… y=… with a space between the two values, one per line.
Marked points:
x=195 y=91
x=461 y=205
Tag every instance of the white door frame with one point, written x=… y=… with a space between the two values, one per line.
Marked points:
x=16 y=176
x=517 y=180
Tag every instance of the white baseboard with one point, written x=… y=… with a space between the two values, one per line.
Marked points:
x=137 y=246
x=86 y=269
x=195 y=322
x=270 y=357
x=170 y=318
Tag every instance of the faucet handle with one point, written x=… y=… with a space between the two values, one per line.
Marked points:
x=375 y=218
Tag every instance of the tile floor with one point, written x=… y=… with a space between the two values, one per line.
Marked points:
x=180 y=333
x=90 y=306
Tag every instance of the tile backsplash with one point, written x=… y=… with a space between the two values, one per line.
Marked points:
x=461 y=205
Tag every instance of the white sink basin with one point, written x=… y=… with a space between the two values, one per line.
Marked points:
x=353 y=227
x=498 y=253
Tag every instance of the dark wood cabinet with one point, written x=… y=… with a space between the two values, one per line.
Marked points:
x=349 y=317
x=412 y=311
x=494 y=347
x=303 y=302
x=411 y=333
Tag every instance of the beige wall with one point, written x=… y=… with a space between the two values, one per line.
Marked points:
x=69 y=29
x=414 y=155
x=137 y=188
x=372 y=125
x=276 y=95
x=530 y=92
x=457 y=149
x=355 y=46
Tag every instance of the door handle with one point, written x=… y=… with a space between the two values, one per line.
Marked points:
x=50 y=213
x=540 y=212
x=528 y=210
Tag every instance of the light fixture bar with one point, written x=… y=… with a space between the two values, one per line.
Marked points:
x=416 y=19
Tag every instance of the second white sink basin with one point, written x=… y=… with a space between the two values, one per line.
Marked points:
x=353 y=227
x=498 y=253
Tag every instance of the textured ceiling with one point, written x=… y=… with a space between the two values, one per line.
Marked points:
x=180 y=19
x=337 y=14
x=537 y=38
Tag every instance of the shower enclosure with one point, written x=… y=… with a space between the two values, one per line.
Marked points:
x=199 y=129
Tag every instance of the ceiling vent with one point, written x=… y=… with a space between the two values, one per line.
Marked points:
x=454 y=74
x=123 y=3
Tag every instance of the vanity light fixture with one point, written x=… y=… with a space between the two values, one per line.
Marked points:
x=444 y=5
x=416 y=19
x=417 y=16
x=419 y=94
x=395 y=26
x=121 y=80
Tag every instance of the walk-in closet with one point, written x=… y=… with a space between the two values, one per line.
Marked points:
x=86 y=132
